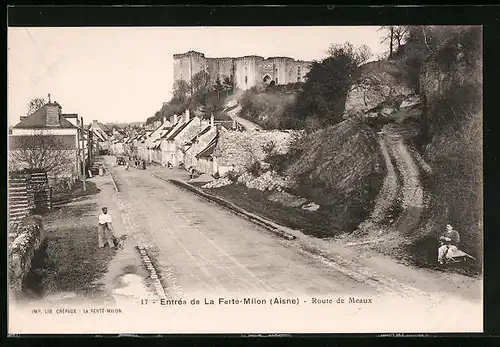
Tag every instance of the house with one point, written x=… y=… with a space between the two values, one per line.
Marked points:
x=177 y=140
x=153 y=141
x=198 y=144
x=142 y=151
x=116 y=144
x=206 y=162
x=100 y=136
x=50 y=131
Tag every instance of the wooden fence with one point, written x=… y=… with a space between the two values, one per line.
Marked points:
x=29 y=192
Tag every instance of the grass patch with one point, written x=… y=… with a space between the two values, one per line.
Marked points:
x=77 y=192
x=69 y=259
x=255 y=201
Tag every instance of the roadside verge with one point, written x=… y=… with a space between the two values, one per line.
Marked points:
x=263 y=222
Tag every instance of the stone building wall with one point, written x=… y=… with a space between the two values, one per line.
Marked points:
x=243 y=148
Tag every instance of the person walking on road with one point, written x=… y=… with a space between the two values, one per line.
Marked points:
x=105 y=229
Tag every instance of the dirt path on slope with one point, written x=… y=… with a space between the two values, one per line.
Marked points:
x=402 y=191
x=412 y=192
x=386 y=196
x=248 y=125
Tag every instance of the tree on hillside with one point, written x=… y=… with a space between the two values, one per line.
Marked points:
x=181 y=90
x=35 y=104
x=323 y=95
x=395 y=35
x=40 y=151
x=199 y=82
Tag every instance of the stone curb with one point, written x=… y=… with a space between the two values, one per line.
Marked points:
x=269 y=225
x=112 y=179
x=160 y=291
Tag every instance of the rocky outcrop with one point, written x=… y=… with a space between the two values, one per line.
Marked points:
x=379 y=87
x=269 y=181
x=381 y=94
x=26 y=242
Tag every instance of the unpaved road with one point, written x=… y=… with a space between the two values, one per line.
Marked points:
x=204 y=249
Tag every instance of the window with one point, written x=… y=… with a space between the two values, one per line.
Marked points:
x=246 y=79
x=276 y=80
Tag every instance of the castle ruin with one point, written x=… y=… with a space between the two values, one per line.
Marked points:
x=245 y=72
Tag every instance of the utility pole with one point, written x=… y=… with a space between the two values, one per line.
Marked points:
x=83 y=157
x=78 y=154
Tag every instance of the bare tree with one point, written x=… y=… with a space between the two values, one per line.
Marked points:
x=395 y=35
x=388 y=36
x=35 y=104
x=41 y=151
x=401 y=33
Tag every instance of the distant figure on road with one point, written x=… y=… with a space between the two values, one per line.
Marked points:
x=449 y=241
x=105 y=229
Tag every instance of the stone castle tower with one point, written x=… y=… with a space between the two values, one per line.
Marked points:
x=246 y=71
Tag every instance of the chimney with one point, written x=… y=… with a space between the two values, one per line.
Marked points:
x=94 y=122
x=175 y=119
x=187 y=115
x=164 y=120
x=53 y=112
x=212 y=121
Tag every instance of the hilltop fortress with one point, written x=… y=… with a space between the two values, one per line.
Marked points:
x=246 y=71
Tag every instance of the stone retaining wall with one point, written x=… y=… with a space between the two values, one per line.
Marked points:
x=242 y=148
x=27 y=239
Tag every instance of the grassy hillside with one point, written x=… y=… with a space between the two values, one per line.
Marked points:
x=340 y=168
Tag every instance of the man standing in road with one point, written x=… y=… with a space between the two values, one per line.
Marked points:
x=449 y=241
x=105 y=229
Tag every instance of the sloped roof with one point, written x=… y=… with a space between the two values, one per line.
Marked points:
x=209 y=149
x=204 y=131
x=99 y=136
x=38 y=120
x=175 y=133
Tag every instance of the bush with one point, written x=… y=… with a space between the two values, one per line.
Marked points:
x=269 y=148
x=232 y=176
x=255 y=168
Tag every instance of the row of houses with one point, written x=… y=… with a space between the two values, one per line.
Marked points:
x=206 y=145
x=181 y=141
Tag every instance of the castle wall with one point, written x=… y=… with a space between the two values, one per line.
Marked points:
x=246 y=71
x=304 y=67
x=221 y=68
x=188 y=64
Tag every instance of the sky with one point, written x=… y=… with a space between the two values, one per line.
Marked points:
x=125 y=74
